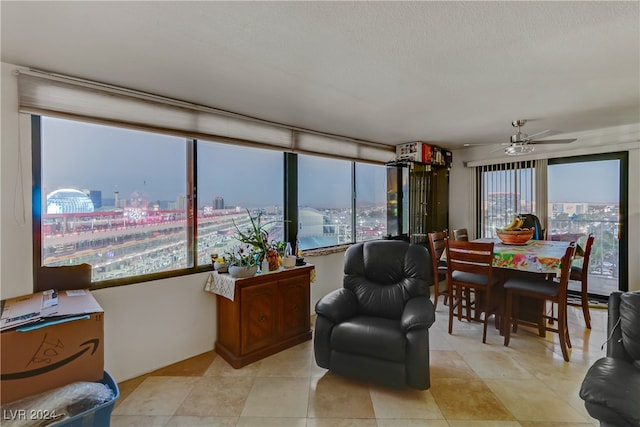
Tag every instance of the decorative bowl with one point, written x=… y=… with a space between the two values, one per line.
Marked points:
x=515 y=237
x=242 y=272
x=288 y=261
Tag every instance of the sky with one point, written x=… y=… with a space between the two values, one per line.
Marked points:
x=585 y=182
x=94 y=157
x=153 y=166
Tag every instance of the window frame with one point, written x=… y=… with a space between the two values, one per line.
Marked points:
x=289 y=188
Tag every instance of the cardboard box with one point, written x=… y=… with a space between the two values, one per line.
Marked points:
x=49 y=339
x=415 y=152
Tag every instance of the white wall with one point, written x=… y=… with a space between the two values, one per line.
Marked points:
x=623 y=138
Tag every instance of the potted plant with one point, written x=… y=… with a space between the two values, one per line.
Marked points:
x=242 y=261
x=257 y=236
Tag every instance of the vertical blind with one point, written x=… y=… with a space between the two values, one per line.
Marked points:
x=55 y=95
x=504 y=190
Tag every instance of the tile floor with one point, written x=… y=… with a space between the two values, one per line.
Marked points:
x=527 y=384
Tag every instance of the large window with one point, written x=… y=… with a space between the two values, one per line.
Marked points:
x=143 y=205
x=504 y=190
x=325 y=196
x=371 y=202
x=231 y=180
x=114 y=198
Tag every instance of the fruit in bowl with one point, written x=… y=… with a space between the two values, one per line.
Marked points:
x=514 y=234
x=515 y=237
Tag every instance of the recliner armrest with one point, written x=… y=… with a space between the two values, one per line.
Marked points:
x=338 y=305
x=418 y=313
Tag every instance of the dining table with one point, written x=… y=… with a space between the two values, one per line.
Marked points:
x=542 y=257
x=534 y=256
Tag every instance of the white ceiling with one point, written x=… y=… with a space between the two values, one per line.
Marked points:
x=446 y=72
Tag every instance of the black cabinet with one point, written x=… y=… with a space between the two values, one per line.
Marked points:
x=417 y=200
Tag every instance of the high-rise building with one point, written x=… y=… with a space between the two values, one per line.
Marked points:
x=181 y=202
x=218 y=202
x=96 y=198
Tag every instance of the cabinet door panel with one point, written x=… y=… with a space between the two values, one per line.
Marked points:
x=259 y=317
x=294 y=305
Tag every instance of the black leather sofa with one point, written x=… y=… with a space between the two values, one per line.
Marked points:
x=376 y=327
x=611 y=387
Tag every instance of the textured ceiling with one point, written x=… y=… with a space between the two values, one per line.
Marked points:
x=391 y=72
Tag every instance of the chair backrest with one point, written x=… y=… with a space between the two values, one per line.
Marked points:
x=460 y=234
x=65 y=277
x=470 y=257
x=437 y=247
x=530 y=220
x=587 y=253
x=384 y=274
x=565 y=272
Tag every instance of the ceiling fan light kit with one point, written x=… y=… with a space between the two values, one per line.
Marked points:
x=521 y=143
x=518 y=149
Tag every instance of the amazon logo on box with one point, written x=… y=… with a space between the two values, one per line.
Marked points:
x=65 y=346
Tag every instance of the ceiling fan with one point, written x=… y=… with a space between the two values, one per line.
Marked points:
x=521 y=143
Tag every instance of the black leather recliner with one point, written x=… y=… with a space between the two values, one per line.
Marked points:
x=376 y=328
x=611 y=387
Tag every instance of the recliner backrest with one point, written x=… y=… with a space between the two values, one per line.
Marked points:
x=384 y=274
x=629 y=321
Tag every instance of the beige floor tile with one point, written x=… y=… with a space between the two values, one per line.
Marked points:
x=411 y=422
x=277 y=397
x=495 y=364
x=332 y=396
x=220 y=367
x=289 y=363
x=157 y=396
x=138 y=421
x=449 y=364
x=217 y=397
x=527 y=404
x=194 y=366
x=127 y=387
x=342 y=422
x=468 y=399
x=388 y=403
x=271 y=422
x=190 y=421
x=548 y=424
x=490 y=423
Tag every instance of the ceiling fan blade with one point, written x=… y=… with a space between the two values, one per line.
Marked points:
x=543 y=134
x=554 y=141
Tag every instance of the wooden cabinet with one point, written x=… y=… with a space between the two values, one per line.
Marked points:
x=270 y=313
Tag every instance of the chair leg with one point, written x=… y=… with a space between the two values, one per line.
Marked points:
x=452 y=304
x=563 y=333
x=436 y=294
x=506 y=319
x=566 y=324
x=585 y=303
x=487 y=304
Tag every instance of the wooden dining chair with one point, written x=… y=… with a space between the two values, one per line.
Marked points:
x=471 y=270
x=537 y=286
x=437 y=247
x=581 y=274
x=460 y=234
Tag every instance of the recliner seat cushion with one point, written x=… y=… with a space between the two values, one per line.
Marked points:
x=629 y=321
x=370 y=336
x=613 y=384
